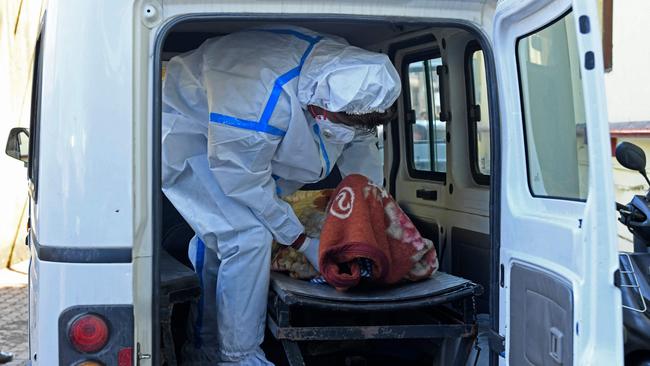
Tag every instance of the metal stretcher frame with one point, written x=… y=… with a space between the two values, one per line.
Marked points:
x=283 y=304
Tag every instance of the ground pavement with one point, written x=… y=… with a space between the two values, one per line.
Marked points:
x=13 y=313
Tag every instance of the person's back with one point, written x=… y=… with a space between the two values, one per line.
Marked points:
x=239 y=70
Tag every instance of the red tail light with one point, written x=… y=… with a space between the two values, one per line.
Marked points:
x=88 y=333
x=125 y=357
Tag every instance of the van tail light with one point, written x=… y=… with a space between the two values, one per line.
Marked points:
x=88 y=333
x=89 y=363
x=125 y=357
x=96 y=335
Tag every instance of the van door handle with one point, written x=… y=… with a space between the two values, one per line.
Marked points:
x=429 y=195
x=555 y=344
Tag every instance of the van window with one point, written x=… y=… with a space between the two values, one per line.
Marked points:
x=553 y=111
x=426 y=132
x=478 y=113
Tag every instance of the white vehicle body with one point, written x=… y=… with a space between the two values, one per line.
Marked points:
x=94 y=185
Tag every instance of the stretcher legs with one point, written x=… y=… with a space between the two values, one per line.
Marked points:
x=458 y=335
x=292 y=351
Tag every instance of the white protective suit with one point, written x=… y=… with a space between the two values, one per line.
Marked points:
x=236 y=135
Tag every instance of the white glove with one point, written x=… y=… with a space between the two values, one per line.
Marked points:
x=310 y=249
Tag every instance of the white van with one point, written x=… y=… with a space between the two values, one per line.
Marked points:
x=517 y=193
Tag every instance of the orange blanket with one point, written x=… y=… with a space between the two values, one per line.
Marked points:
x=363 y=221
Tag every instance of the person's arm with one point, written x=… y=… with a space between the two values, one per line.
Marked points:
x=361 y=156
x=240 y=161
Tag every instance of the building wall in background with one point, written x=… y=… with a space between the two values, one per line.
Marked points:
x=19 y=23
x=628 y=83
x=628 y=92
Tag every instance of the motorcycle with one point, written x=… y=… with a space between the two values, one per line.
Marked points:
x=633 y=277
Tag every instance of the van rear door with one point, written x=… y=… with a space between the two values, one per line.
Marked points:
x=558 y=302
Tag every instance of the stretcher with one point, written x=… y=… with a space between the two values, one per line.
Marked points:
x=442 y=307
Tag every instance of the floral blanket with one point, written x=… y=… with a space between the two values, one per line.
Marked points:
x=310 y=207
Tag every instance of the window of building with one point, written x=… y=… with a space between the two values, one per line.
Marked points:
x=553 y=111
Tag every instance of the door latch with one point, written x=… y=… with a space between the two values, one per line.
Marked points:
x=555 y=345
x=142 y=356
x=429 y=195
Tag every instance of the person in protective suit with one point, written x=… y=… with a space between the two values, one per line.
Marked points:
x=247 y=118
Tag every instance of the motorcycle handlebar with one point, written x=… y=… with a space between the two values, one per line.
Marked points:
x=628 y=211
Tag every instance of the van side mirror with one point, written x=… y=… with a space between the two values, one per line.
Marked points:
x=631 y=157
x=18 y=144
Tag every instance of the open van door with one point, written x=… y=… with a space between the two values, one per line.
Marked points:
x=558 y=301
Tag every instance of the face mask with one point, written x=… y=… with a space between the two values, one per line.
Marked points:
x=335 y=133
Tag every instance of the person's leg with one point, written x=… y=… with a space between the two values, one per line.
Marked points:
x=202 y=346
x=233 y=260
x=228 y=322
x=242 y=290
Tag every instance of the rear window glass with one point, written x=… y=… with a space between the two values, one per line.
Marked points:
x=553 y=111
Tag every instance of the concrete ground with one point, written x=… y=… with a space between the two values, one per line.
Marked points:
x=13 y=313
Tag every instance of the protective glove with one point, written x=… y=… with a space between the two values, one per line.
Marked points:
x=310 y=249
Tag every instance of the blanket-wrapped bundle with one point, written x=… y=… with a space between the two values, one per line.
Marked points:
x=363 y=224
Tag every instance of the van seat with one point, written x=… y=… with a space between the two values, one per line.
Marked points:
x=177 y=233
x=179 y=284
x=177 y=281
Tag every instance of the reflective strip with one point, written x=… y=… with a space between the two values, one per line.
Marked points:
x=322 y=147
x=200 y=257
x=263 y=124
x=279 y=83
x=247 y=125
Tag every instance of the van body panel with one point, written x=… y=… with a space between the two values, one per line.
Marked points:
x=55 y=287
x=568 y=242
x=601 y=259
x=85 y=182
x=475 y=11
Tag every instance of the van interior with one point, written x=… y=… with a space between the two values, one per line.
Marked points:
x=437 y=166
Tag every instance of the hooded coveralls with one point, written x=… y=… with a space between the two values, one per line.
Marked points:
x=236 y=136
